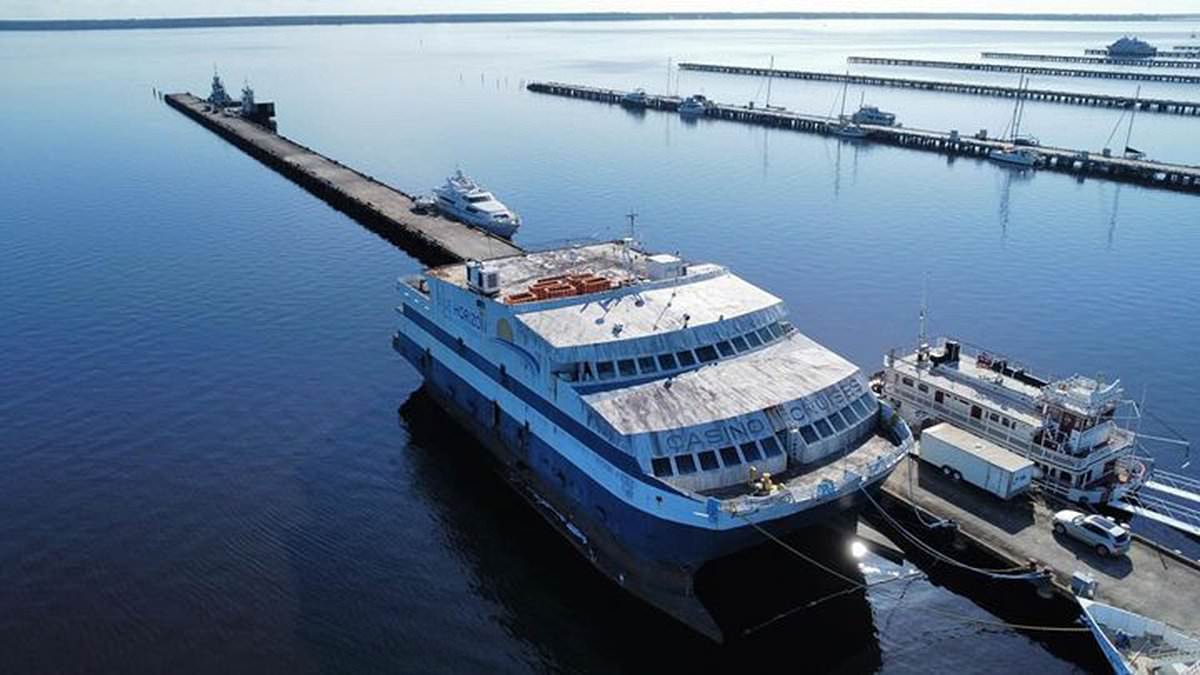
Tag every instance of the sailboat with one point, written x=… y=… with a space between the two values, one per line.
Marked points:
x=770 y=75
x=1018 y=151
x=1130 y=152
x=1137 y=645
x=844 y=128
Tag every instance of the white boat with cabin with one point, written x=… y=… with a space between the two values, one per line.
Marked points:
x=694 y=106
x=658 y=413
x=635 y=99
x=463 y=199
x=1023 y=157
x=1019 y=150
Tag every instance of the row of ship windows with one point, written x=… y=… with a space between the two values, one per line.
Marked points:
x=645 y=365
x=707 y=460
x=839 y=421
x=976 y=412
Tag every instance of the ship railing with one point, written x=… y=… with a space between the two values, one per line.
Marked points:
x=1187 y=516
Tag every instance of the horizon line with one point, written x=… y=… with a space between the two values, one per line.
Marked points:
x=133 y=23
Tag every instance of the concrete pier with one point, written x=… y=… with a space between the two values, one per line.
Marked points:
x=381 y=208
x=1064 y=160
x=1174 y=78
x=1149 y=580
x=1160 y=105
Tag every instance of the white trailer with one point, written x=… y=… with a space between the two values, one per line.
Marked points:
x=962 y=455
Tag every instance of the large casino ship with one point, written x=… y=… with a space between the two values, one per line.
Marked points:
x=659 y=413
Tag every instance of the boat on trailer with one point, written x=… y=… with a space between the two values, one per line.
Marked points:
x=660 y=414
x=1137 y=645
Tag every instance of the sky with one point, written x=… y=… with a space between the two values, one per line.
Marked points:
x=120 y=9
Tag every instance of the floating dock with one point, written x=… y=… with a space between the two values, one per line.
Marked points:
x=1173 y=78
x=1076 y=162
x=1097 y=60
x=1151 y=580
x=381 y=208
x=1160 y=105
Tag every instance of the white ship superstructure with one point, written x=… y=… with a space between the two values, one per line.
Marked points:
x=1070 y=428
x=659 y=411
x=463 y=199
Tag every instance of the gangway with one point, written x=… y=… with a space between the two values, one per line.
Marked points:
x=1151 y=506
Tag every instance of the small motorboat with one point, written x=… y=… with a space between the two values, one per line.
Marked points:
x=694 y=106
x=1017 y=156
x=634 y=99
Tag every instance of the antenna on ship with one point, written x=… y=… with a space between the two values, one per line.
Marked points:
x=922 y=336
x=632 y=217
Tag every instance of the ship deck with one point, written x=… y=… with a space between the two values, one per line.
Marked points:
x=804 y=480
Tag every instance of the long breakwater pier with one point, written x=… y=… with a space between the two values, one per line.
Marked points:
x=1180 y=53
x=381 y=208
x=1095 y=60
x=1160 y=105
x=1076 y=162
x=1174 y=78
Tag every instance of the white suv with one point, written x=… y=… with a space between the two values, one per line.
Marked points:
x=1103 y=534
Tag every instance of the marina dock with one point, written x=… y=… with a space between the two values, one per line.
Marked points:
x=381 y=208
x=1159 y=105
x=1173 y=78
x=1179 y=53
x=1076 y=162
x=1150 y=580
x=1097 y=60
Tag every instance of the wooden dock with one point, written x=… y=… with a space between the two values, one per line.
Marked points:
x=1076 y=162
x=1150 y=580
x=1180 y=53
x=381 y=208
x=1174 y=78
x=1096 y=60
x=1160 y=105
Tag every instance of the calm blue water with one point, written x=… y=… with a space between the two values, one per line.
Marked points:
x=202 y=466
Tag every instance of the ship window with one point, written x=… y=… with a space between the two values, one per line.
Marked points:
x=627 y=368
x=923 y=387
x=993 y=417
x=908 y=382
x=708 y=461
x=867 y=401
x=850 y=415
x=706 y=353
x=605 y=370
x=823 y=428
x=753 y=339
x=838 y=422
x=646 y=364
x=586 y=372
x=729 y=456
x=809 y=435
x=685 y=359
x=739 y=343
x=776 y=330
x=939 y=397
x=750 y=452
x=725 y=348
x=859 y=407
x=1004 y=421
x=667 y=361
x=685 y=464
x=765 y=335
x=662 y=466
x=976 y=412
x=771 y=447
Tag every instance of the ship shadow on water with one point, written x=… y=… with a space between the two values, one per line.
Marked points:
x=558 y=604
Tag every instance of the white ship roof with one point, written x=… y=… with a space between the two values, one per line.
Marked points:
x=1010 y=406
x=604 y=319
x=786 y=371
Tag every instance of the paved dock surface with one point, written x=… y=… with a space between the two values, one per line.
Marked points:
x=382 y=208
x=1148 y=581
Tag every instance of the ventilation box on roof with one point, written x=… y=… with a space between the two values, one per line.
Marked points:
x=664 y=266
x=481 y=279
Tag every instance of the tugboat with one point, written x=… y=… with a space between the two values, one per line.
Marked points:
x=658 y=413
x=463 y=199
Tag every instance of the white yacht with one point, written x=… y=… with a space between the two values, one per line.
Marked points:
x=694 y=106
x=1137 y=645
x=463 y=199
x=1069 y=428
x=1024 y=157
x=657 y=413
x=869 y=114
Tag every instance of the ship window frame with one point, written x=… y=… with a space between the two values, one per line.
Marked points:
x=725 y=348
x=860 y=408
x=686 y=358
x=1005 y=423
x=770 y=447
x=753 y=448
x=907 y=381
x=754 y=340
x=809 y=434
x=706 y=458
x=643 y=360
x=939 y=397
x=707 y=353
x=922 y=387
x=587 y=372
x=993 y=417
x=838 y=422
x=776 y=330
x=976 y=412
x=657 y=464
x=851 y=416
x=729 y=456
x=766 y=336
x=627 y=368
x=611 y=370
x=742 y=340
x=825 y=432
x=691 y=465
x=665 y=359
